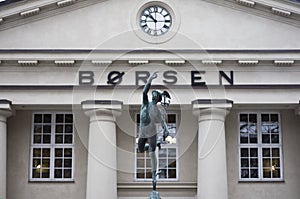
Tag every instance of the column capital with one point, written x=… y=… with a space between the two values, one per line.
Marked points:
x=211 y=109
x=102 y=110
x=5 y=109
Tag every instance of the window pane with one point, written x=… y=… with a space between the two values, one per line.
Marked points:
x=140 y=173
x=36 y=152
x=58 y=152
x=274 y=118
x=276 y=173
x=46 y=173
x=58 y=173
x=172 y=152
x=46 y=163
x=69 y=118
x=68 y=128
x=38 y=118
x=58 y=163
x=68 y=139
x=252 y=118
x=266 y=152
x=244 y=173
x=253 y=162
x=35 y=173
x=58 y=139
x=162 y=163
x=59 y=118
x=253 y=152
x=68 y=152
x=267 y=173
x=172 y=163
x=266 y=162
x=265 y=117
x=47 y=118
x=275 y=138
x=275 y=152
x=244 y=118
x=266 y=138
x=254 y=173
x=244 y=152
x=46 y=129
x=37 y=139
x=172 y=173
x=46 y=139
x=163 y=153
x=46 y=152
x=67 y=173
x=36 y=163
x=244 y=162
x=37 y=129
x=140 y=163
x=59 y=128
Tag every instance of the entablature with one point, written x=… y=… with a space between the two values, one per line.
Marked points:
x=74 y=58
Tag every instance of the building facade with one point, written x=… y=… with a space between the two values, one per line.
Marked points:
x=72 y=75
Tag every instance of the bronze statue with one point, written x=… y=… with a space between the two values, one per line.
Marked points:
x=150 y=115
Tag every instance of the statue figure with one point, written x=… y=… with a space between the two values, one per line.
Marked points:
x=150 y=115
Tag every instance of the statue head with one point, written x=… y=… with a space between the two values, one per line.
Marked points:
x=156 y=96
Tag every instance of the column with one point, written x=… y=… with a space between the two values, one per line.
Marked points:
x=5 y=112
x=102 y=153
x=212 y=168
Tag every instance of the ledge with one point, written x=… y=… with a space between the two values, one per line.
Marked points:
x=102 y=104
x=160 y=185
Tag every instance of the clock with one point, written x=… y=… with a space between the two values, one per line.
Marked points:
x=155 y=20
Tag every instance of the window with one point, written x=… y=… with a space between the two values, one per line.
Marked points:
x=166 y=158
x=52 y=147
x=260 y=149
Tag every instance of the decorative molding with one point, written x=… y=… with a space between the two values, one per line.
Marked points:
x=174 y=62
x=65 y=3
x=280 y=12
x=64 y=63
x=284 y=62
x=248 y=62
x=101 y=62
x=28 y=62
x=137 y=62
x=216 y=62
x=287 y=13
x=29 y=13
x=101 y=104
x=246 y=3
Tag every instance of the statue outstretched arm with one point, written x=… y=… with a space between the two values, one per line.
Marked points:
x=147 y=87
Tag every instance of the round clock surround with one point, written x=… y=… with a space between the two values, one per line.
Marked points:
x=155 y=20
x=161 y=26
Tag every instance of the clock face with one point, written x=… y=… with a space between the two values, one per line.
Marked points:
x=155 y=20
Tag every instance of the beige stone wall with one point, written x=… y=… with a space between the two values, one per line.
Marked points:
x=289 y=188
x=18 y=185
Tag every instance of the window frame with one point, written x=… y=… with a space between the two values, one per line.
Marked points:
x=52 y=146
x=175 y=146
x=259 y=146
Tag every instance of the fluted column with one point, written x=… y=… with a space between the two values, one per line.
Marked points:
x=5 y=112
x=212 y=171
x=102 y=153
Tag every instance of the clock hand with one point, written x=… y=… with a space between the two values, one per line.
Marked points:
x=152 y=18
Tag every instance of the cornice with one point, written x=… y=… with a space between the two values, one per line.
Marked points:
x=284 y=12
x=23 y=13
x=32 y=10
x=104 y=58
